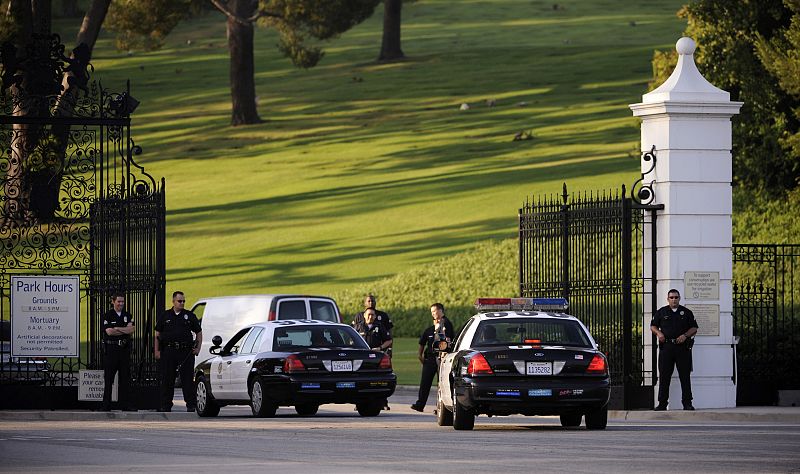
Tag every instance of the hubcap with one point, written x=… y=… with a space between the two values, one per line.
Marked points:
x=256 y=397
x=201 y=396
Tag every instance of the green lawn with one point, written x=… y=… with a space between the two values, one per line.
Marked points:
x=404 y=360
x=364 y=170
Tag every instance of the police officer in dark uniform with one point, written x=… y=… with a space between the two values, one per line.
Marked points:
x=382 y=318
x=117 y=329
x=438 y=335
x=376 y=335
x=674 y=325
x=175 y=348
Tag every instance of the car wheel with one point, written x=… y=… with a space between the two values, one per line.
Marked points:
x=444 y=417
x=206 y=405
x=369 y=408
x=597 y=419
x=463 y=419
x=307 y=409
x=571 y=420
x=261 y=406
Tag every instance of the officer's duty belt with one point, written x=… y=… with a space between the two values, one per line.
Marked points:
x=179 y=345
x=117 y=342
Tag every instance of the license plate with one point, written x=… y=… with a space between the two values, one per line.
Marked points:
x=540 y=368
x=540 y=392
x=342 y=365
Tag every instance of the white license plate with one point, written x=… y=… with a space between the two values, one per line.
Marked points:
x=540 y=368
x=342 y=365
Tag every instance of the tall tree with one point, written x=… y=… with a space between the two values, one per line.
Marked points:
x=390 y=44
x=728 y=33
x=296 y=21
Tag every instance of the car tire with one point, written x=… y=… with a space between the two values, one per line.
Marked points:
x=370 y=408
x=444 y=417
x=597 y=419
x=571 y=420
x=308 y=409
x=261 y=406
x=206 y=405
x=463 y=419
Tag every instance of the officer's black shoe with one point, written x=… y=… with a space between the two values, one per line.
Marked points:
x=661 y=407
x=688 y=406
x=416 y=407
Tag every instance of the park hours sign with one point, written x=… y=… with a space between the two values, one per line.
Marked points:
x=44 y=316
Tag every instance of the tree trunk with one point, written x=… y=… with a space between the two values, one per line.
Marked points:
x=242 y=67
x=92 y=21
x=390 y=45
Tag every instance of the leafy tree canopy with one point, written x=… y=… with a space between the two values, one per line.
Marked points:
x=747 y=48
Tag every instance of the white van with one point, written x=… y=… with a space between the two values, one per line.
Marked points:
x=223 y=316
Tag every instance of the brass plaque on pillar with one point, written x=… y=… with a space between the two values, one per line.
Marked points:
x=707 y=317
x=701 y=285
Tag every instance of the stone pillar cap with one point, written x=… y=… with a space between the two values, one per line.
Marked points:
x=686 y=84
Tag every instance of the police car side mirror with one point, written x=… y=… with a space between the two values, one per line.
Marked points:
x=216 y=341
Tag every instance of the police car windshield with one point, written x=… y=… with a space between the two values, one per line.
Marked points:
x=553 y=332
x=294 y=338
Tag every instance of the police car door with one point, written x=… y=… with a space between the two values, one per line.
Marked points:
x=445 y=391
x=221 y=367
x=242 y=364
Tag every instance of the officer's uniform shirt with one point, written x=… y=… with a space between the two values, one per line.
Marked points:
x=381 y=317
x=429 y=336
x=374 y=334
x=112 y=319
x=674 y=323
x=178 y=327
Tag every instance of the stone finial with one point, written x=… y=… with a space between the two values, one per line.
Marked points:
x=686 y=84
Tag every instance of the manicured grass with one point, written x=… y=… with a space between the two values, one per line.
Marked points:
x=404 y=360
x=364 y=171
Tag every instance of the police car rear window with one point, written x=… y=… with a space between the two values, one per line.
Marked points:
x=294 y=338
x=553 y=332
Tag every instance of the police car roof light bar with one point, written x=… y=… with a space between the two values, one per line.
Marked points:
x=521 y=304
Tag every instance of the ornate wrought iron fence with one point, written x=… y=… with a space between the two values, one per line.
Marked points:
x=73 y=201
x=590 y=249
x=766 y=316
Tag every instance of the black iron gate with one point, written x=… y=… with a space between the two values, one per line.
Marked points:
x=596 y=251
x=74 y=202
x=766 y=318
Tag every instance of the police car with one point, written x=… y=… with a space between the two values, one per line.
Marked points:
x=299 y=363
x=523 y=356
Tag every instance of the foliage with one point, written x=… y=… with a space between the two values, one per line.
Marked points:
x=781 y=57
x=297 y=20
x=143 y=24
x=488 y=269
x=727 y=33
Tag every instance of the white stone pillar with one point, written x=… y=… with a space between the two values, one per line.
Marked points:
x=689 y=122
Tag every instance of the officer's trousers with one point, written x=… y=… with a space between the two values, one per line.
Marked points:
x=669 y=357
x=182 y=361
x=117 y=359
x=429 y=369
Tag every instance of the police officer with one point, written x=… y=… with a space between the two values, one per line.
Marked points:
x=674 y=325
x=175 y=349
x=382 y=318
x=376 y=335
x=437 y=335
x=117 y=329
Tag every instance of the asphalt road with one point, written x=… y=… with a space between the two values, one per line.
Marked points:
x=338 y=440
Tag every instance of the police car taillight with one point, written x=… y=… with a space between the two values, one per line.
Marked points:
x=479 y=366
x=521 y=304
x=293 y=364
x=597 y=365
x=386 y=362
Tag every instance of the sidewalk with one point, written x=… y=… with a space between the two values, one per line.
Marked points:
x=405 y=395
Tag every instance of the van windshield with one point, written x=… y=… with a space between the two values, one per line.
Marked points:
x=323 y=311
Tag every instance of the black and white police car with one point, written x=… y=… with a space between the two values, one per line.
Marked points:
x=299 y=363
x=523 y=356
